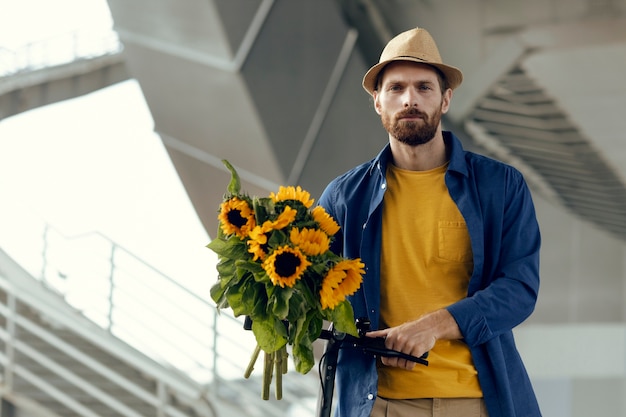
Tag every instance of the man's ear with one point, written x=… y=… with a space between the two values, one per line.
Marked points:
x=445 y=102
x=375 y=96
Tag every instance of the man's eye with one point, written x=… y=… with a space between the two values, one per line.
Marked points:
x=425 y=87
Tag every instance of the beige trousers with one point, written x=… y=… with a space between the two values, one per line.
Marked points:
x=430 y=407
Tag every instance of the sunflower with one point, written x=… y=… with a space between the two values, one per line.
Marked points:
x=311 y=241
x=292 y=193
x=326 y=222
x=284 y=219
x=257 y=245
x=342 y=280
x=236 y=217
x=285 y=266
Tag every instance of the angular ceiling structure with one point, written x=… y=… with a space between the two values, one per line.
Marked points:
x=274 y=87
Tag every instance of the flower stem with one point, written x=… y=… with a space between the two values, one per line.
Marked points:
x=267 y=375
x=253 y=360
x=278 y=361
x=285 y=360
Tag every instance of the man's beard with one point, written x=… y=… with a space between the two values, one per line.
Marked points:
x=411 y=132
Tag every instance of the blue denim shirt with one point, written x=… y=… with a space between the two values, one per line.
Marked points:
x=498 y=209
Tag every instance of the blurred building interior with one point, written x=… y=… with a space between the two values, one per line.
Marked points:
x=274 y=86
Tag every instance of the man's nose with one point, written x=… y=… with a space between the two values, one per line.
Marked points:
x=410 y=98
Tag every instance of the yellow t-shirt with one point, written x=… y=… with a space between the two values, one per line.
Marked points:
x=426 y=264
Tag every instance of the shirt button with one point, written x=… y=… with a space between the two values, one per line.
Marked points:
x=383 y=186
x=370 y=396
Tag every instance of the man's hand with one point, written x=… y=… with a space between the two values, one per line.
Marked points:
x=418 y=336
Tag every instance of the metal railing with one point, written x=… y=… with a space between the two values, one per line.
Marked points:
x=134 y=301
x=58 y=50
x=147 y=309
x=25 y=359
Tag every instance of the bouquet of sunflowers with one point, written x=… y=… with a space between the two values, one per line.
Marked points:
x=275 y=266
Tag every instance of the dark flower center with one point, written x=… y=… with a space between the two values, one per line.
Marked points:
x=286 y=264
x=235 y=218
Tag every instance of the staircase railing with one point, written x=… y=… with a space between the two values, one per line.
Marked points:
x=23 y=358
x=149 y=310
x=133 y=300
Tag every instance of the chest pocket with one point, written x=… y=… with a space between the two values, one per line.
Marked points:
x=454 y=241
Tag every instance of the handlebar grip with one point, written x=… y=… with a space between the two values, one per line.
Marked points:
x=376 y=345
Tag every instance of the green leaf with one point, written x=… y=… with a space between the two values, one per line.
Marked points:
x=309 y=298
x=216 y=244
x=232 y=247
x=217 y=295
x=278 y=238
x=259 y=307
x=303 y=357
x=254 y=298
x=343 y=318
x=317 y=271
x=263 y=209
x=270 y=333
x=297 y=307
x=250 y=266
x=280 y=302
x=235 y=301
x=223 y=262
x=221 y=246
x=234 y=186
x=307 y=330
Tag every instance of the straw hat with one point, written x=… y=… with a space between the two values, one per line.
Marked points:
x=413 y=45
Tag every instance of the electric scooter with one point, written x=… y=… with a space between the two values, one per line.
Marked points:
x=337 y=341
x=328 y=362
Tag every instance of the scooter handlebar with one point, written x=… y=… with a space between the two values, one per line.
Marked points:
x=372 y=345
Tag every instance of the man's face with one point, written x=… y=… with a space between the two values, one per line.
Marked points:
x=410 y=102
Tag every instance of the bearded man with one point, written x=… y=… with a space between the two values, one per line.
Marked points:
x=450 y=242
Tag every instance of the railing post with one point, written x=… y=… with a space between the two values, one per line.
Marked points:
x=10 y=345
x=162 y=396
x=215 y=373
x=111 y=287
x=75 y=44
x=44 y=253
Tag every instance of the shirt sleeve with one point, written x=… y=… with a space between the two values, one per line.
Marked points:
x=509 y=280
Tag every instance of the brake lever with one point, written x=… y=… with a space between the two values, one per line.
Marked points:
x=376 y=346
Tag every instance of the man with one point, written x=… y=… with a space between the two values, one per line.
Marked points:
x=451 y=247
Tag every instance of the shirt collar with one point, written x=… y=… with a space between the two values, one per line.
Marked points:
x=456 y=152
x=380 y=162
x=453 y=146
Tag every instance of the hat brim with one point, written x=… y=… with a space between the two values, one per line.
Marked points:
x=453 y=75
